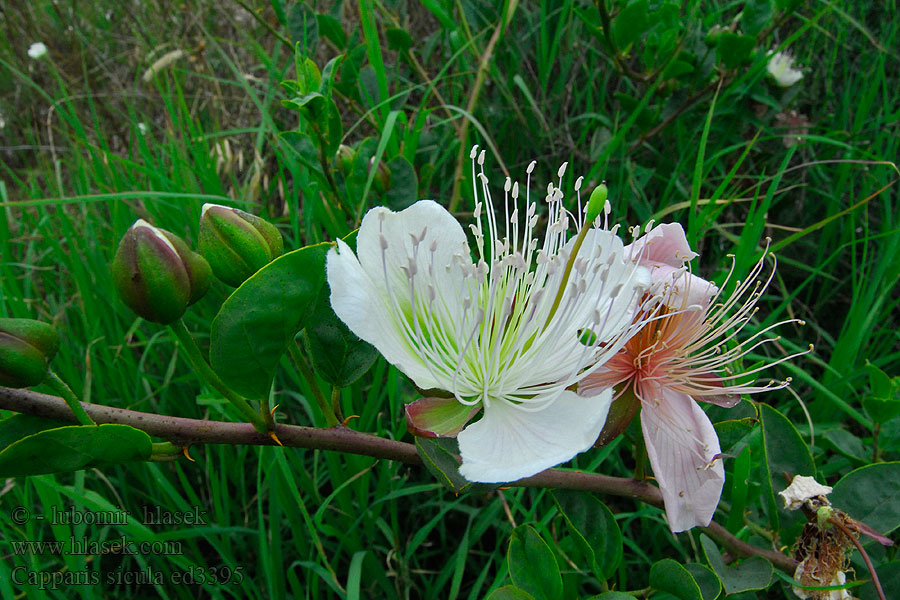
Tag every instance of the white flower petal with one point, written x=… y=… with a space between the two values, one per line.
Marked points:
x=781 y=67
x=509 y=443
x=442 y=232
x=37 y=50
x=682 y=446
x=364 y=308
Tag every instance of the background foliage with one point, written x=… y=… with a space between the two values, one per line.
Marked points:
x=682 y=126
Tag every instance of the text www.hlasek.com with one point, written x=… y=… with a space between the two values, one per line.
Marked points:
x=84 y=547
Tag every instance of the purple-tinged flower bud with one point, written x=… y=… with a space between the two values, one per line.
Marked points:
x=382 y=178
x=237 y=244
x=157 y=275
x=26 y=349
x=621 y=412
x=345 y=156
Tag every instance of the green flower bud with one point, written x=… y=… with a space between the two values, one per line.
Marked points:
x=26 y=349
x=345 y=156
x=237 y=244
x=713 y=35
x=597 y=203
x=381 y=182
x=157 y=275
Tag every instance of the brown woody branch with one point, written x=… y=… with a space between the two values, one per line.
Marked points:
x=185 y=432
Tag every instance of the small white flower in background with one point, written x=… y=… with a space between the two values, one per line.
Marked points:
x=801 y=490
x=142 y=127
x=510 y=332
x=781 y=68
x=37 y=50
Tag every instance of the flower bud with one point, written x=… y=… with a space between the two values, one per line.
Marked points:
x=621 y=412
x=237 y=244
x=713 y=35
x=381 y=181
x=345 y=156
x=26 y=349
x=597 y=203
x=157 y=275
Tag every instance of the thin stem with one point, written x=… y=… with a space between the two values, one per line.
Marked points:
x=266 y=413
x=59 y=386
x=336 y=403
x=166 y=452
x=193 y=352
x=568 y=271
x=837 y=523
x=876 y=431
x=330 y=419
x=182 y=431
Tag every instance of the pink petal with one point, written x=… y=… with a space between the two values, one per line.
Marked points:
x=727 y=399
x=438 y=417
x=665 y=245
x=682 y=446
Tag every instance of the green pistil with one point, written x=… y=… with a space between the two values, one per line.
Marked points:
x=595 y=206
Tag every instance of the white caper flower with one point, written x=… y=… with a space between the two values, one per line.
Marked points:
x=37 y=50
x=781 y=68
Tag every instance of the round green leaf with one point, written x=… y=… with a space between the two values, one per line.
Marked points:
x=595 y=529
x=440 y=457
x=752 y=573
x=871 y=494
x=888 y=575
x=532 y=566
x=733 y=49
x=338 y=355
x=262 y=316
x=74 y=447
x=303 y=28
x=786 y=455
x=404 y=189
x=511 y=592
x=630 y=23
x=669 y=576
x=707 y=580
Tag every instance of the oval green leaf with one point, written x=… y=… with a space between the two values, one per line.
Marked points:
x=786 y=455
x=532 y=566
x=440 y=457
x=17 y=427
x=595 y=529
x=73 y=448
x=752 y=573
x=338 y=355
x=871 y=494
x=511 y=592
x=260 y=318
x=669 y=576
x=707 y=580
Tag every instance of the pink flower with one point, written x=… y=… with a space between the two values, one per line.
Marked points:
x=682 y=355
